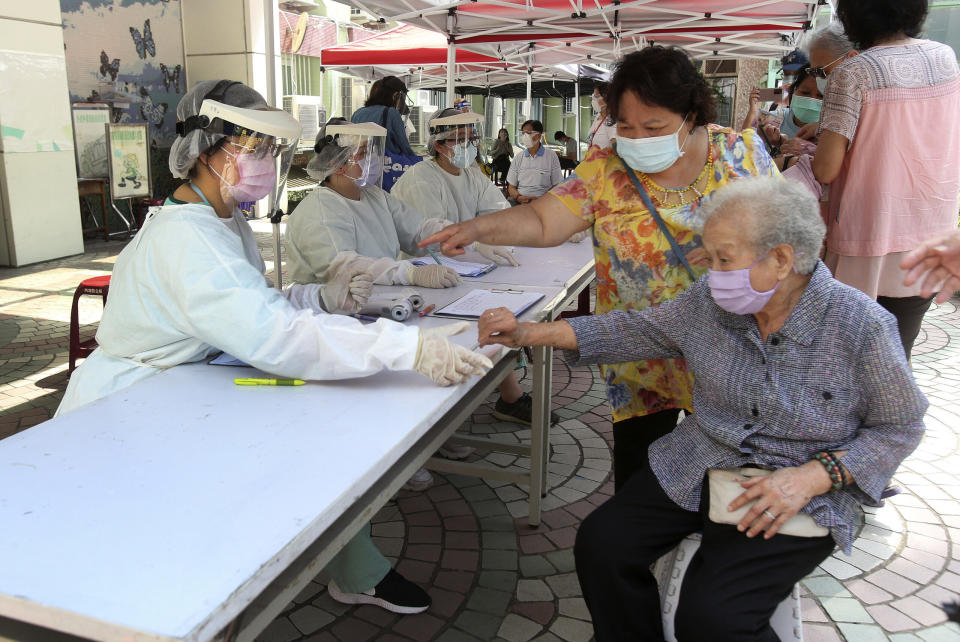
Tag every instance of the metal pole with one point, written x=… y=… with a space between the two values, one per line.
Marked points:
x=576 y=110
x=269 y=25
x=451 y=71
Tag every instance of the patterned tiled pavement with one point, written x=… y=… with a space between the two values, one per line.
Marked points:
x=492 y=577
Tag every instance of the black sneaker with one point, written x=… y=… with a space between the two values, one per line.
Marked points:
x=520 y=411
x=394 y=593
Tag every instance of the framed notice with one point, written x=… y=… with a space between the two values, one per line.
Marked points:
x=128 y=153
x=90 y=138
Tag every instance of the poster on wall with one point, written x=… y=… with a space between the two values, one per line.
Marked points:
x=128 y=151
x=90 y=138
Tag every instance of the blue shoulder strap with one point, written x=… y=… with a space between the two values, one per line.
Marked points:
x=656 y=215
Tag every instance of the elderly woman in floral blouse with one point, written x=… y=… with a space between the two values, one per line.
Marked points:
x=663 y=109
x=795 y=373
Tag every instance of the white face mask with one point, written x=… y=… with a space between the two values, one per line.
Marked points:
x=822 y=85
x=596 y=104
x=654 y=154
x=528 y=140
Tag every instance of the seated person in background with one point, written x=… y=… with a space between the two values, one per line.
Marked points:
x=804 y=104
x=450 y=186
x=758 y=333
x=348 y=221
x=191 y=284
x=570 y=156
x=500 y=156
x=536 y=169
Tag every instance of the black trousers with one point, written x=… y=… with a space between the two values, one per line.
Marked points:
x=631 y=439
x=568 y=163
x=909 y=311
x=731 y=588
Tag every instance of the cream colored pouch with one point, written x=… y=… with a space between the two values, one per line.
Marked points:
x=725 y=487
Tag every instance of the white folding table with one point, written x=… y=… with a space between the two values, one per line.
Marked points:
x=188 y=508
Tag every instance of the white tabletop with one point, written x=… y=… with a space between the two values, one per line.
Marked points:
x=195 y=493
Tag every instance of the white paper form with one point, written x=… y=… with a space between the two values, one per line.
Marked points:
x=463 y=268
x=475 y=303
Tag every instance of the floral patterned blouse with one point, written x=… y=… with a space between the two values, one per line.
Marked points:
x=636 y=267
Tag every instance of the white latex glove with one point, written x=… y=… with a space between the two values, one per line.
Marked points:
x=347 y=291
x=499 y=254
x=444 y=362
x=579 y=236
x=433 y=276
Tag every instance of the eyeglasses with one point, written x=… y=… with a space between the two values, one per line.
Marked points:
x=821 y=72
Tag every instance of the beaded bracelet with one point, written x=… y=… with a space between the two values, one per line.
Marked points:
x=830 y=462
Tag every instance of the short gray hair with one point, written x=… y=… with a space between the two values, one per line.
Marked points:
x=784 y=212
x=831 y=39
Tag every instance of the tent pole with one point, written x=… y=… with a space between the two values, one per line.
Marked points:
x=576 y=110
x=451 y=64
x=529 y=113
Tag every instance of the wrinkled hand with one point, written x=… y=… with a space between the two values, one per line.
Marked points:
x=499 y=254
x=781 y=494
x=697 y=257
x=755 y=98
x=444 y=362
x=798 y=147
x=433 y=276
x=453 y=239
x=500 y=326
x=938 y=259
x=774 y=137
x=347 y=291
x=579 y=236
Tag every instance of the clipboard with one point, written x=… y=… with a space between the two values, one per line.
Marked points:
x=474 y=303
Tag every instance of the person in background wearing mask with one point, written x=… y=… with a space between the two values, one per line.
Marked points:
x=804 y=105
x=603 y=130
x=500 y=156
x=571 y=153
x=388 y=106
x=191 y=284
x=889 y=148
x=449 y=185
x=759 y=333
x=536 y=169
x=663 y=108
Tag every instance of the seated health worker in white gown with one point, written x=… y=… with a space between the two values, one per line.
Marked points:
x=191 y=284
x=450 y=185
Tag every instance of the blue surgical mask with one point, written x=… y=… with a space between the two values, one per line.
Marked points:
x=806 y=109
x=461 y=157
x=822 y=85
x=651 y=155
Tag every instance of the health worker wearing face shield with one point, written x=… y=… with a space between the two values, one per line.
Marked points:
x=389 y=106
x=451 y=186
x=667 y=147
x=349 y=223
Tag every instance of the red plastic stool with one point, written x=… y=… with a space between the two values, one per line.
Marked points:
x=98 y=285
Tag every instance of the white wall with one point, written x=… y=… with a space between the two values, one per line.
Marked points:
x=39 y=205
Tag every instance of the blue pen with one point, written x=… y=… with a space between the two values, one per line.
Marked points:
x=435 y=257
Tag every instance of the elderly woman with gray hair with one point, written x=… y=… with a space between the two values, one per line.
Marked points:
x=804 y=406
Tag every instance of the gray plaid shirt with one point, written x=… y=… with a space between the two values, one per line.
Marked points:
x=834 y=377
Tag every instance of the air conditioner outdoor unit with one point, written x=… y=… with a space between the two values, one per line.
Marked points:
x=310 y=112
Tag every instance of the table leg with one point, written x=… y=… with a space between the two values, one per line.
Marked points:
x=539 y=430
x=547 y=388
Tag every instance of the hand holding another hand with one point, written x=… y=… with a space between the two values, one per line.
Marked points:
x=500 y=326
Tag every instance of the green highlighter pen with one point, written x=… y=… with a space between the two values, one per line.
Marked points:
x=268 y=382
x=435 y=257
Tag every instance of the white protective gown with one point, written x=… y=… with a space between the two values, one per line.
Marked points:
x=186 y=287
x=327 y=228
x=435 y=193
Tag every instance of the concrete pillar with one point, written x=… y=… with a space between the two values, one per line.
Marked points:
x=39 y=205
x=231 y=39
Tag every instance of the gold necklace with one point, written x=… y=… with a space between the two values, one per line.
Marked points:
x=682 y=192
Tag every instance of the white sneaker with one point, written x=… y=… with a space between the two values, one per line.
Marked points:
x=420 y=480
x=454 y=451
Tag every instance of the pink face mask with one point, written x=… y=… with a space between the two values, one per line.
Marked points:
x=732 y=290
x=257 y=177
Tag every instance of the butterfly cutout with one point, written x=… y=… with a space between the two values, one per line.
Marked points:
x=150 y=111
x=108 y=67
x=171 y=76
x=144 y=43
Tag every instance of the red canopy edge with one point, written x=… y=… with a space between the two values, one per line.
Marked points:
x=404 y=45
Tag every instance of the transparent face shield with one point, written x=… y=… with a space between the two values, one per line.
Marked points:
x=363 y=145
x=459 y=138
x=257 y=151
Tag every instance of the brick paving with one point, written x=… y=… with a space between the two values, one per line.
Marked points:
x=491 y=576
